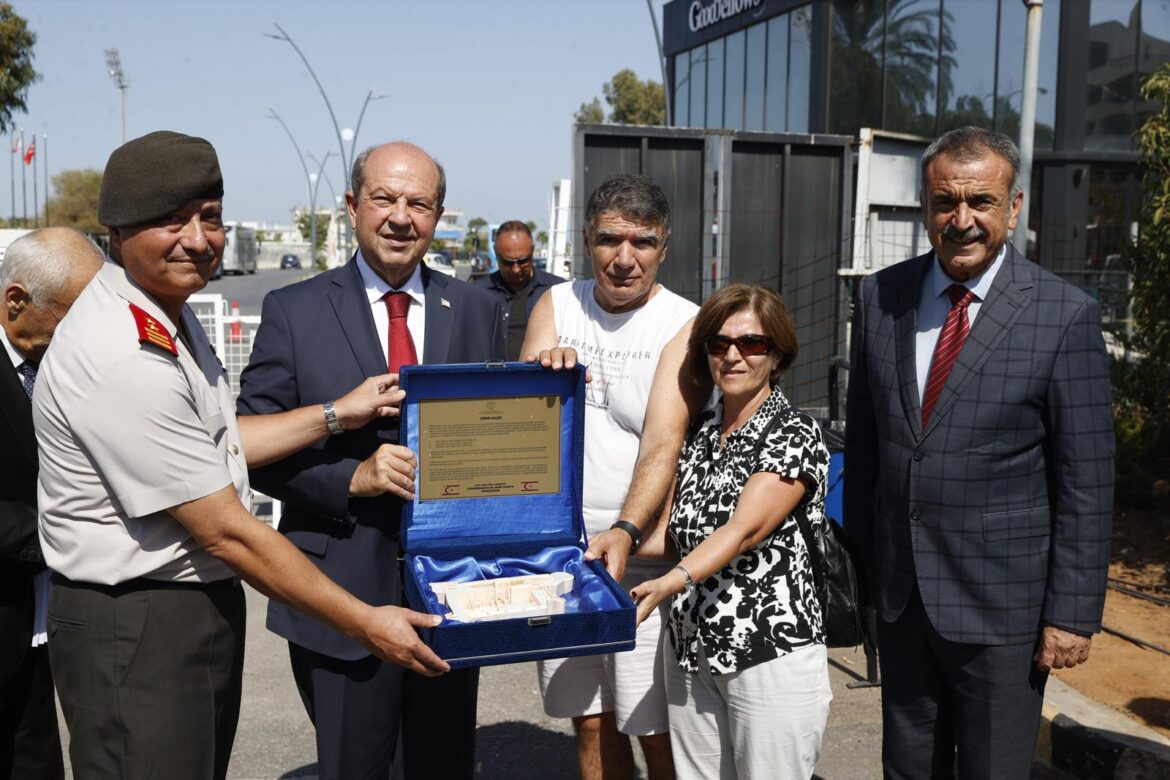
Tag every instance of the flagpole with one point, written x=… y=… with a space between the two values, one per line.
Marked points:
x=36 y=197
x=23 y=183
x=12 y=173
x=45 y=158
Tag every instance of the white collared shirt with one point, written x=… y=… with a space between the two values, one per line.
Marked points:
x=376 y=289
x=42 y=587
x=934 y=303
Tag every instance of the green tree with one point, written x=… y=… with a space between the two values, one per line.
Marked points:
x=531 y=225
x=305 y=224
x=1142 y=380
x=16 y=64
x=902 y=38
x=76 y=202
x=631 y=101
x=472 y=240
x=590 y=113
x=542 y=238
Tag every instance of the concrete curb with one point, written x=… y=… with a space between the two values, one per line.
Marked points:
x=1086 y=739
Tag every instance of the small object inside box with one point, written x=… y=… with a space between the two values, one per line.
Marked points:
x=529 y=595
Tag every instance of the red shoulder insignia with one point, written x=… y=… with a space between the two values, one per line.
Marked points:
x=151 y=331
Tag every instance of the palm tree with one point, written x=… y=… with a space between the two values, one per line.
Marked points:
x=890 y=48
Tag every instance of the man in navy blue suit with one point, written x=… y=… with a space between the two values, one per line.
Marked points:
x=342 y=497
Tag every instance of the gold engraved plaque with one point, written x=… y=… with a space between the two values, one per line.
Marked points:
x=471 y=448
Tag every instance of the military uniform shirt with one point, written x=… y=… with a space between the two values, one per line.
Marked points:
x=127 y=430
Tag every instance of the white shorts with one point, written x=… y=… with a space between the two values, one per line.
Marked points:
x=629 y=684
x=761 y=722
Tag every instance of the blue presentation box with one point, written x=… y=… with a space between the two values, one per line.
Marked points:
x=498 y=494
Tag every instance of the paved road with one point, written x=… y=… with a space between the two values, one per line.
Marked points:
x=250 y=289
x=515 y=741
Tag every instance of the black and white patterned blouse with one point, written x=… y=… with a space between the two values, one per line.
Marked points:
x=763 y=603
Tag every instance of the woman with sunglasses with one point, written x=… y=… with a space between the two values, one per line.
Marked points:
x=748 y=686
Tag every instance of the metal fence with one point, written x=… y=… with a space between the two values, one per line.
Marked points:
x=230 y=334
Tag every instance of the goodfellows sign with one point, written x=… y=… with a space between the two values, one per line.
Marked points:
x=700 y=16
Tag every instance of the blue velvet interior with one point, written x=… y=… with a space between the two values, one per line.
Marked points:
x=590 y=592
x=481 y=538
x=496 y=525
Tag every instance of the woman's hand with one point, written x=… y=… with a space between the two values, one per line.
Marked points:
x=651 y=593
x=378 y=396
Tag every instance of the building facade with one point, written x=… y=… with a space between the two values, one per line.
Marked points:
x=926 y=66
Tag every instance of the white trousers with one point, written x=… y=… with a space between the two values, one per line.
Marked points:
x=765 y=721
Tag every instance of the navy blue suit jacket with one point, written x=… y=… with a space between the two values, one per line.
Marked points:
x=1000 y=509
x=20 y=549
x=316 y=342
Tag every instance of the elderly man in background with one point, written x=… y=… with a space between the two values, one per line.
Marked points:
x=43 y=273
x=343 y=496
x=519 y=283
x=143 y=493
x=979 y=445
x=631 y=332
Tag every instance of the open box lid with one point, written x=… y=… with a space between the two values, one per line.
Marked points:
x=499 y=450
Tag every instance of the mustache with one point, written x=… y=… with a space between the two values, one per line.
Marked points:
x=973 y=233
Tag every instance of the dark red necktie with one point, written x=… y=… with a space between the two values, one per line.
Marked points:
x=950 y=342
x=399 y=345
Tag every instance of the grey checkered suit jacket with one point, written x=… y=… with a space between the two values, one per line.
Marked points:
x=1001 y=509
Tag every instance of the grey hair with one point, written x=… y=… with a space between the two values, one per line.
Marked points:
x=970 y=144
x=357 y=176
x=38 y=263
x=637 y=198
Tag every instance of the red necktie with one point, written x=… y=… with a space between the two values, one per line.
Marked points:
x=950 y=342
x=399 y=346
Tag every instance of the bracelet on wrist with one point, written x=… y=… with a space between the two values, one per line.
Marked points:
x=331 y=421
x=632 y=530
x=690 y=581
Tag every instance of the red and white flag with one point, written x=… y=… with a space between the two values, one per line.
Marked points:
x=31 y=151
x=17 y=144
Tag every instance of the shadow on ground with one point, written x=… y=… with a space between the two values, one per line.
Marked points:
x=515 y=750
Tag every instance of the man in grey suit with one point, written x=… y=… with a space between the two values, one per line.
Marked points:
x=979 y=489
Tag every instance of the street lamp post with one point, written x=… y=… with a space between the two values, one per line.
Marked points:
x=342 y=135
x=315 y=178
x=310 y=179
x=114 y=68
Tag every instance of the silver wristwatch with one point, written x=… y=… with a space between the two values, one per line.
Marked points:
x=331 y=421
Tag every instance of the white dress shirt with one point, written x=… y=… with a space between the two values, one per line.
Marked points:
x=376 y=289
x=41 y=584
x=934 y=303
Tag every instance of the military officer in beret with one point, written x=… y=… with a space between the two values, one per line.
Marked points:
x=144 y=496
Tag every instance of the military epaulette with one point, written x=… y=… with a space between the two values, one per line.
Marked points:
x=151 y=331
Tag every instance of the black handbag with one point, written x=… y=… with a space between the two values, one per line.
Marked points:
x=835 y=576
x=837 y=583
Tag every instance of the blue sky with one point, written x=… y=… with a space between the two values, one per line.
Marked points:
x=488 y=87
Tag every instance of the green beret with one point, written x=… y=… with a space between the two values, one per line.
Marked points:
x=155 y=175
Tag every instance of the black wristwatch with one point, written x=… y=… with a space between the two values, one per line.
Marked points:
x=632 y=530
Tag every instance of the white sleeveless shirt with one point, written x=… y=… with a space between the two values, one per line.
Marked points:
x=621 y=351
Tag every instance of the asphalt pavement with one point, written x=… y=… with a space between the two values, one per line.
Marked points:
x=514 y=739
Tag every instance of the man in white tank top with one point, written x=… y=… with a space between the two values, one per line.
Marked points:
x=631 y=332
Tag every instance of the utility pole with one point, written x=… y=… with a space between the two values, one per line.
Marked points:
x=1028 y=116
x=114 y=68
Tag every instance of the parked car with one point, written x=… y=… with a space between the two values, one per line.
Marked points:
x=290 y=261
x=437 y=262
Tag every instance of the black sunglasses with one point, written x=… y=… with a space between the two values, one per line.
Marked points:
x=751 y=344
x=510 y=263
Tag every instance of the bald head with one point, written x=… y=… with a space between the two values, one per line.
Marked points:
x=43 y=273
x=405 y=151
